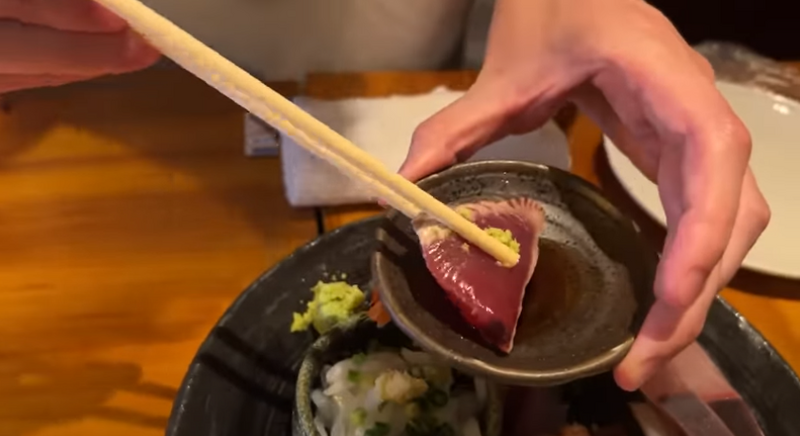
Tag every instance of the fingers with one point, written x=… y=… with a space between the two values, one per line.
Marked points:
x=706 y=231
x=33 y=50
x=667 y=330
x=698 y=154
x=491 y=110
x=699 y=162
x=453 y=133
x=751 y=221
x=49 y=43
x=702 y=154
x=591 y=101
x=701 y=198
x=68 y=15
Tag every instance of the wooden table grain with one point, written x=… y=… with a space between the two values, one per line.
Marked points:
x=772 y=305
x=129 y=221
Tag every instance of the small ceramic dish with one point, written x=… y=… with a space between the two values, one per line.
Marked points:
x=349 y=339
x=586 y=301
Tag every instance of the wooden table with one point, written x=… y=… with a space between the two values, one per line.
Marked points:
x=130 y=221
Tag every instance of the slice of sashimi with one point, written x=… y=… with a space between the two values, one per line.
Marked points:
x=691 y=371
x=651 y=422
x=736 y=414
x=694 y=416
x=488 y=295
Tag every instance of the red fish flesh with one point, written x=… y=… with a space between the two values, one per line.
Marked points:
x=488 y=295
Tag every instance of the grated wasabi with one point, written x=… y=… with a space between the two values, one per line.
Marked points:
x=504 y=236
x=332 y=303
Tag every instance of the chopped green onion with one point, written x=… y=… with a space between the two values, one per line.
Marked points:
x=359 y=358
x=358 y=417
x=412 y=410
x=353 y=376
x=423 y=425
x=379 y=429
x=437 y=397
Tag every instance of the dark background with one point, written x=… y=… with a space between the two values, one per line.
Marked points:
x=770 y=27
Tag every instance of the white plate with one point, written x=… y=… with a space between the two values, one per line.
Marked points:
x=774 y=125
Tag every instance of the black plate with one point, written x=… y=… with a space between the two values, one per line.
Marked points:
x=241 y=382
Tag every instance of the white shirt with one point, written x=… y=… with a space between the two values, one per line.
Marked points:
x=286 y=39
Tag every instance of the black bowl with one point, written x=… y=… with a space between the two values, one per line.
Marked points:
x=353 y=337
x=592 y=286
x=242 y=380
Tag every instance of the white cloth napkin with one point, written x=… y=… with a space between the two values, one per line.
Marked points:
x=383 y=127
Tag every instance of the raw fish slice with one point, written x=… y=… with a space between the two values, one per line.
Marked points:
x=737 y=416
x=691 y=371
x=651 y=422
x=691 y=382
x=488 y=295
x=694 y=416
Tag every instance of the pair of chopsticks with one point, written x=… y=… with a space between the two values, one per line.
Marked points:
x=316 y=137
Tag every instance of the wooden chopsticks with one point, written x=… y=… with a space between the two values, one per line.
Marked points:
x=263 y=102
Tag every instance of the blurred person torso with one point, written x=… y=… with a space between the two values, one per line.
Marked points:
x=286 y=39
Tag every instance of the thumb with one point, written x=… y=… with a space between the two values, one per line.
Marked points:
x=455 y=132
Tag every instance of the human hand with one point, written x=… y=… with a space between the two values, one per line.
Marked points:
x=53 y=42
x=626 y=66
